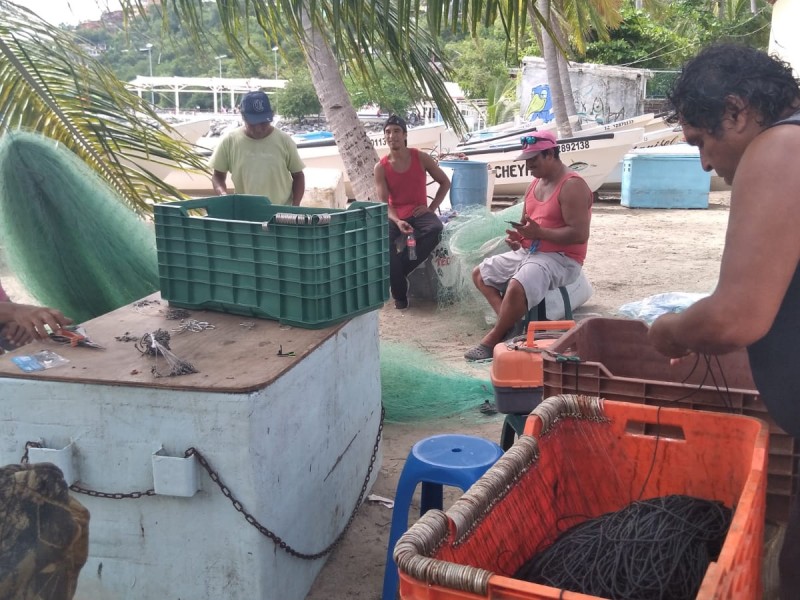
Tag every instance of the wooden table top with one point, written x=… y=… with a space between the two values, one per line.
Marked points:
x=239 y=355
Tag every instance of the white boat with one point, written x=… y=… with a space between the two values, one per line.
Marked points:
x=668 y=136
x=324 y=154
x=191 y=131
x=630 y=123
x=505 y=133
x=593 y=156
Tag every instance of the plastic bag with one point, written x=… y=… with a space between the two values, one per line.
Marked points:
x=649 y=309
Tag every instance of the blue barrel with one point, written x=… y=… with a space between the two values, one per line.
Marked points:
x=469 y=184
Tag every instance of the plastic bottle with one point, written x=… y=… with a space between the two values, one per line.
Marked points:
x=411 y=243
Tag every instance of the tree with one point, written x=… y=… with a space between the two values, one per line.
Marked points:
x=479 y=62
x=500 y=105
x=298 y=99
x=49 y=84
x=381 y=90
x=331 y=32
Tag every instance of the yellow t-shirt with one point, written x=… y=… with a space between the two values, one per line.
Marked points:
x=263 y=167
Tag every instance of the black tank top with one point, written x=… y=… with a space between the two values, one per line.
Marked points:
x=775 y=358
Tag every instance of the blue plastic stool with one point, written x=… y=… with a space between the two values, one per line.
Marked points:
x=450 y=459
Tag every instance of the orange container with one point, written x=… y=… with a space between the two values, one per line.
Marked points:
x=615 y=360
x=516 y=371
x=592 y=457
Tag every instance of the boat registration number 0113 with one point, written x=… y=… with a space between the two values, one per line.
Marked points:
x=572 y=146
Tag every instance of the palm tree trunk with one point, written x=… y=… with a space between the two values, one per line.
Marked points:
x=563 y=72
x=550 y=53
x=355 y=148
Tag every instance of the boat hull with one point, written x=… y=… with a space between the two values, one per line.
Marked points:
x=668 y=136
x=592 y=156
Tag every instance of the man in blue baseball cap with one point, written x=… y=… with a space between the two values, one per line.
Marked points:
x=261 y=159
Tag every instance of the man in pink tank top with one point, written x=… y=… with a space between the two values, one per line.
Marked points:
x=548 y=247
x=401 y=180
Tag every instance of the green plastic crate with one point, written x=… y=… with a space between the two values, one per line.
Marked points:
x=240 y=254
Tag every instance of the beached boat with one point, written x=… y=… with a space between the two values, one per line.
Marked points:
x=323 y=153
x=667 y=136
x=631 y=123
x=593 y=156
x=190 y=131
x=506 y=133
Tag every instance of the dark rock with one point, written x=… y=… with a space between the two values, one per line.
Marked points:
x=44 y=534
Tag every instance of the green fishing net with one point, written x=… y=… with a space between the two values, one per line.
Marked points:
x=67 y=236
x=414 y=388
x=468 y=238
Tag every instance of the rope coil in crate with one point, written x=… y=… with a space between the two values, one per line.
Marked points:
x=414 y=549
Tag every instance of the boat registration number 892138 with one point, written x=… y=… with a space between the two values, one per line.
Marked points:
x=572 y=146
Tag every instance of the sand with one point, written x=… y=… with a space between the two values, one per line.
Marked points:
x=633 y=254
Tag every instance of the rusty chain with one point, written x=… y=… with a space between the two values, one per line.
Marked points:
x=276 y=539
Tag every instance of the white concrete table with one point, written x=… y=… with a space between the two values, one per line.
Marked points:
x=291 y=437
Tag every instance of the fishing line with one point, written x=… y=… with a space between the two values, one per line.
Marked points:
x=653 y=549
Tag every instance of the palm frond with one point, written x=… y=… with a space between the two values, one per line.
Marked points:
x=362 y=32
x=48 y=84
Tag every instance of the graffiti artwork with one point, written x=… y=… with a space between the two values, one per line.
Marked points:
x=540 y=108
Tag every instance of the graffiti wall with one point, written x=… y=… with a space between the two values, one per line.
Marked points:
x=602 y=94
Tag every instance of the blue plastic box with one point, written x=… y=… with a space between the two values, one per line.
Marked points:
x=664 y=178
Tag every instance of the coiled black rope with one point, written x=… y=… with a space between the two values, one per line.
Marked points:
x=656 y=549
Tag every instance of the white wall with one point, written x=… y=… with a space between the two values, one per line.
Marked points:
x=295 y=454
x=783 y=40
x=604 y=94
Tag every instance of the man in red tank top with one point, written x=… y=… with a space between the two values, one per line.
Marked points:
x=401 y=179
x=547 y=248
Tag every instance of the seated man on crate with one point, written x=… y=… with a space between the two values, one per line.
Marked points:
x=547 y=248
x=741 y=108
x=261 y=159
x=22 y=323
x=414 y=227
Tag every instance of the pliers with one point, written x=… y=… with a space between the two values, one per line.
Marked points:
x=282 y=353
x=563 y=357
x=73 y=337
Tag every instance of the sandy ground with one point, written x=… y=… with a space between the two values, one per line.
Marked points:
x=632 y=254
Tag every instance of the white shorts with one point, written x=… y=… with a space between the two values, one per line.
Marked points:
x=537 y=273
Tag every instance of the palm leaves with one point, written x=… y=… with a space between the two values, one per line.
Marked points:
x=48 y=84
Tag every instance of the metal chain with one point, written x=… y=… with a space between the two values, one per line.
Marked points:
x=93 y=493
x=238 y=505
x=275 y=537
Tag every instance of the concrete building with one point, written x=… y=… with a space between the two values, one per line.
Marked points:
x=602 y=93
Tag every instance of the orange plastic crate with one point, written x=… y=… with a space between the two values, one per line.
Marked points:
x=617 y=362
x=516 y=371
x=535 y=490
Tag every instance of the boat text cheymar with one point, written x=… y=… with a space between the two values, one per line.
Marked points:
x=593 y=156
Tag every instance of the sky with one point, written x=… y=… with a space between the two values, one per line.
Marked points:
x=71 y=12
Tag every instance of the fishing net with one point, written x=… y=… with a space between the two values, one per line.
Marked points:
x=414 y=389
x=67 y=236
x=468 y=238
